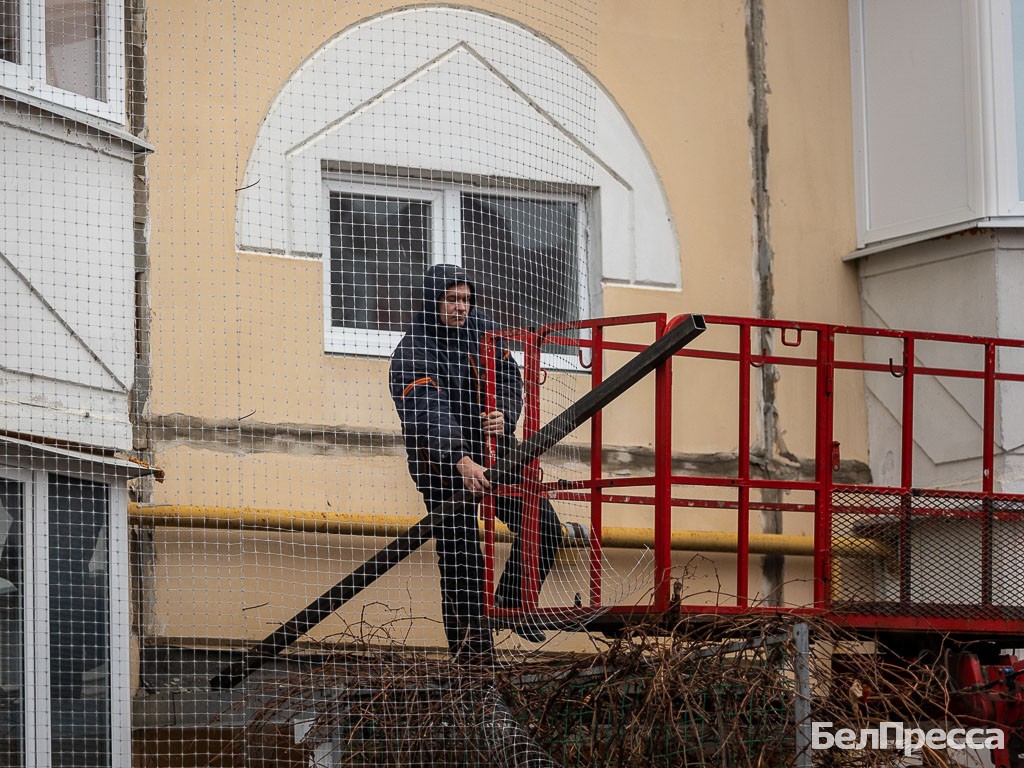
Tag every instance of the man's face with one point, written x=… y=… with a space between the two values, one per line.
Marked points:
x=453 y=306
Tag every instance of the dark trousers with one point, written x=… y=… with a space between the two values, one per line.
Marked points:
x=461 y=564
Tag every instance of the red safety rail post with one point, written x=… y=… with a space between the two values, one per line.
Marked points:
x=988 y=472
x=662 y=479
x=488 y=353
x=529 y=527
x=596 y=469
x=908 y=372
x=988 y=456
x=743 y=472
x=824 y=415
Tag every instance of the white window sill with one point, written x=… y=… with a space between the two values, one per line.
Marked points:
x=991 y=222
x=381 y=344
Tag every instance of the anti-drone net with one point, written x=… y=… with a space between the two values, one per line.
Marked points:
x=218 y=219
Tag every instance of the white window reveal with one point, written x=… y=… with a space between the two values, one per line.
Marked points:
x=524 y=251
x=68 y=52
x=404 y=105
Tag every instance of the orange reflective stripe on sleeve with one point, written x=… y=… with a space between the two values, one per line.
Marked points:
x=424 y=380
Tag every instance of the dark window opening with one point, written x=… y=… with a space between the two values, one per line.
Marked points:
x=380 y=247
x=10 y=31
x=522 y=253
x=79 y=622
x=12 y=624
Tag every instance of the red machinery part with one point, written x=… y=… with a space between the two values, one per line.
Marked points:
x=991 y=695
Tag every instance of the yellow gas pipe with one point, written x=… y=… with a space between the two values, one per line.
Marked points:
x=389 y=526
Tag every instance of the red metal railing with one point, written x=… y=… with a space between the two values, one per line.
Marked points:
x=863 y=509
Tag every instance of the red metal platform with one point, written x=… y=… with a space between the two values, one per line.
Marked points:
x=933 y=559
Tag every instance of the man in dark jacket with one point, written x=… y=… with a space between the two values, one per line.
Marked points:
x=437 y=384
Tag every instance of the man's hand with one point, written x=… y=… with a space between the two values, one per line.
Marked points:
x=494 y=423
x=473 y=476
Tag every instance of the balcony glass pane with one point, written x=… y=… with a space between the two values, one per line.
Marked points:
x=79 y=623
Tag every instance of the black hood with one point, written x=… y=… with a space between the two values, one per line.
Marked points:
x=436 y=280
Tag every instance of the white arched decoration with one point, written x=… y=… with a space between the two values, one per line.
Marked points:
x=464 y=99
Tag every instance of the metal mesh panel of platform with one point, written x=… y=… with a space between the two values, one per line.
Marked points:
x=918 y=554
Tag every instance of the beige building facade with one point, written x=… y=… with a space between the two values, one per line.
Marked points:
x=709 y=154
x=216 y=221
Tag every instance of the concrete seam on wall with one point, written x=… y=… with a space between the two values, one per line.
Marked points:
x=222 y=435
x=771 y=521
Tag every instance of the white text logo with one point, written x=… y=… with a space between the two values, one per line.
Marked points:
x=889 y=735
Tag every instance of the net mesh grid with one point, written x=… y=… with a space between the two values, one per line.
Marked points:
x=215 y=234
x=221 y=227
x=430 y=154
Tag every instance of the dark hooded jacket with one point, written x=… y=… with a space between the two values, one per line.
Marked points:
x=437 y=383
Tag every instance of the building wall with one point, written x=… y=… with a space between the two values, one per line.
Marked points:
x=68 y=272
x=964 y=284
x=237 y=336
x=67 y=373
x=936 y=148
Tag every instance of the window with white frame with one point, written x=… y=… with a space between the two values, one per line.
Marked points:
x=62 y=631
x=524 y=251
x=68 y=52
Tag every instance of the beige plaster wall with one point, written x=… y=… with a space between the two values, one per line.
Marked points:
x=678 y=70
x=812 y=198
x=239 y=336
x=285 y=572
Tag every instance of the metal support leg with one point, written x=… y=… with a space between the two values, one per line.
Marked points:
x=802 y=695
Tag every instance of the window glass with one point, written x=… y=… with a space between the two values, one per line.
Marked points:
x=522 y=252
x=74 y=47
x=10 y=31
x=79 y=621
x=12 y=652
x=1017 y=22
x=522 y=255
x=380 y=247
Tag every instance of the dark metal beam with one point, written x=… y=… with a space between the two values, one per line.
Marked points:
x=680 y=333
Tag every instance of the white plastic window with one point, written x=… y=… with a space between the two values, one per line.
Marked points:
x=68 y=52
x=523 y=250
x=63 y=622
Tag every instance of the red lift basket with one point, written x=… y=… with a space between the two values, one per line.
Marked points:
x=885 y=557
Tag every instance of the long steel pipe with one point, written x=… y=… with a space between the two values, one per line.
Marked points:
x=347 y=523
